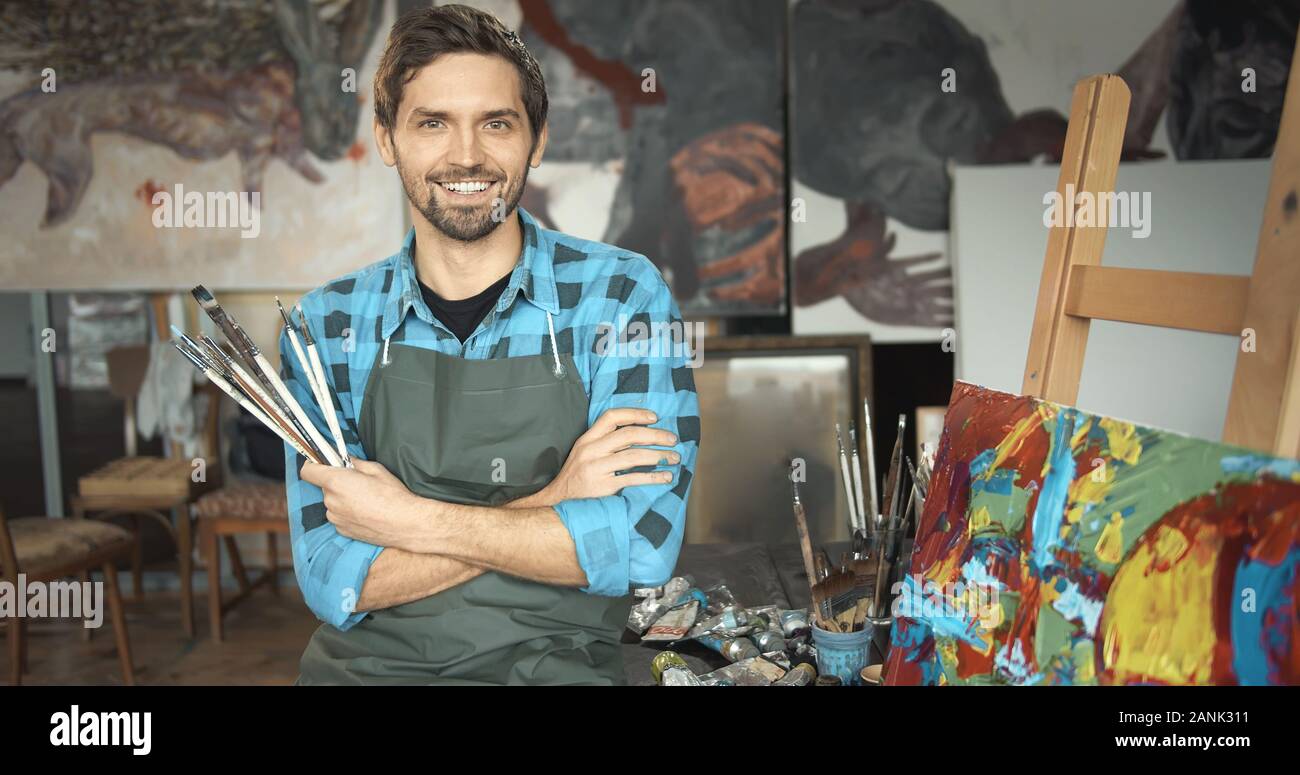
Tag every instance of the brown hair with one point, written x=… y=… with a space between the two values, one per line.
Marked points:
x=421 y=35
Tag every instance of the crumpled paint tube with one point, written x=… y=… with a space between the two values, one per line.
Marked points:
x=648 y=611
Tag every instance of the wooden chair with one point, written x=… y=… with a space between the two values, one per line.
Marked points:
x=143 y=487
x=45 y=550
x=240 y=508
x=1264 y=405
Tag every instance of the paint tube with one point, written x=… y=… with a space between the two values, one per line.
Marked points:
x=734 y=649
x=648 y=611
x=792 y=621
x=777 y=658
x=664 y=660
x=801 y=674
x=732 y=622
x=768 y=641
x=719 y=598
x=754 y=671
x=673 y=625
x=679 y=676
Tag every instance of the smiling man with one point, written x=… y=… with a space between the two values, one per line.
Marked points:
x=515 y=474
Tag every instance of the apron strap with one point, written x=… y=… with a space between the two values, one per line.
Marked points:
x=555 y=350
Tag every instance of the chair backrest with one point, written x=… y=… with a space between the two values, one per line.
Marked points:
x=127 y=367
x=1264 y=405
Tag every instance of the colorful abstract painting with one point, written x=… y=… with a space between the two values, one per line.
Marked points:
x=1061 y=547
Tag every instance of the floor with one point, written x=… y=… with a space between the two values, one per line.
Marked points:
x=265 y=636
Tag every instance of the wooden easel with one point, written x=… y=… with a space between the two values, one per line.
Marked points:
x=1264 y=405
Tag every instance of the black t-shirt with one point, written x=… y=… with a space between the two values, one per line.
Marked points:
x=462 y=316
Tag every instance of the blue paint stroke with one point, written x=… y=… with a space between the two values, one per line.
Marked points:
x=1050 y=509
x=1077 y=607
x=1257 y=464
x=945 y=618
x=1257 y=648
x=1014 y=667
x=998 y=483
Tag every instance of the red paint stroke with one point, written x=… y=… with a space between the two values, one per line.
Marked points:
x=623 y=84
x=146 y=190
x=1259 y=521
x=357 y=151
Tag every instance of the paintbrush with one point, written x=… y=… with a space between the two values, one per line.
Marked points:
x=194 y=355
x=261 y=368
x=297 y=345
x=857 y=476
x=847 y=480
x=805 y=545
x=836 y=590
x=892 y=477
x=320 y=387
x=871 y=464
x=236 y=376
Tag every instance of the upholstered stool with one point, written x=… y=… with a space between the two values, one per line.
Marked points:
x=256 y=507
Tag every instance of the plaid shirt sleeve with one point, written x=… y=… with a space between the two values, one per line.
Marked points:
x=633 y=538
x=330 y=568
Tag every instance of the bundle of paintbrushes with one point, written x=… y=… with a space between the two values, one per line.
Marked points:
x=244 y=374
x=879 y=533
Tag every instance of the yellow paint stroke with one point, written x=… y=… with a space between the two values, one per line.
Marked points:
x=978 y=521
x=1076 y=441
x=1125 y=444
x=1110 y=546
x=1085 y=492
x=1013 y=440
x=1157 y=624
x=1087 y=666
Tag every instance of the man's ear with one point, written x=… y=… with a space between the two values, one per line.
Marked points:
x=384 y=141
x=536 y=159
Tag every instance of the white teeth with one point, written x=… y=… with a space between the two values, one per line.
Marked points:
x=468 y=187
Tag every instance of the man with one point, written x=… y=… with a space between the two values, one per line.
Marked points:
x=518 y=466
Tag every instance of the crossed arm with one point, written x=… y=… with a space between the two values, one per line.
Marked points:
x=431 y=546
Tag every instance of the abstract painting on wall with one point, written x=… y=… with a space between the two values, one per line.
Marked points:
x=246 y=126
x=667 y=138
x=1061 y=547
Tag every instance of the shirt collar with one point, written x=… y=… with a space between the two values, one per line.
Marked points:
x=534 y=276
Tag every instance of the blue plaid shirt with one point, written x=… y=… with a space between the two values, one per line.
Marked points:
x=594 y=292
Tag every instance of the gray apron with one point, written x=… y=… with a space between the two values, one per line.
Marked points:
x=479 y=432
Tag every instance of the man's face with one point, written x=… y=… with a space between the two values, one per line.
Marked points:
x=462 y=144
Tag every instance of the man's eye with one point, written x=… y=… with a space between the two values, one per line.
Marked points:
x=498 y=125
x=427 y=122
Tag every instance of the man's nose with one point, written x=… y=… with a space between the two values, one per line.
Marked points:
x=466 y=151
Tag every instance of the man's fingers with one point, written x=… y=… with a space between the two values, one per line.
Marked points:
x=637 y=435
x=613 y=418
x=653 y=477
x=368 y=466
x=640 y=456
x=313 y=473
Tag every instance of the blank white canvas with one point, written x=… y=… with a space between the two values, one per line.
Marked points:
x=1205 y=217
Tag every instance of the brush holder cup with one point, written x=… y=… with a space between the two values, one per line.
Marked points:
x=842 y=654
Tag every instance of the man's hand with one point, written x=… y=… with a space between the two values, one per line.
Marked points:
x=367 y=503
x=615 y=442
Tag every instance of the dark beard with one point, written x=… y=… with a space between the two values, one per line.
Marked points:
x=463 y=224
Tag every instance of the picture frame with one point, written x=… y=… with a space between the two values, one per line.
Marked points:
x=741 y=491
